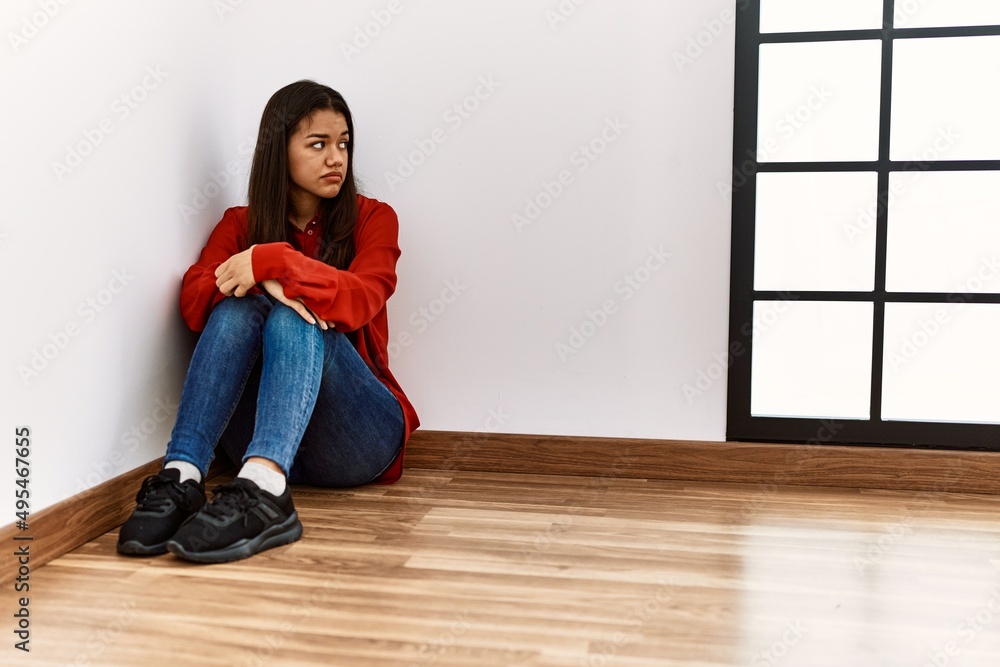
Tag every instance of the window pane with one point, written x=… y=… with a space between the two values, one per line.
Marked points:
x=815 y=231
x=944 y=232
x=942 y=106
x=811 y=359
x=810 y=15
x=946 y=13
x=941 y=363
x=819 y=101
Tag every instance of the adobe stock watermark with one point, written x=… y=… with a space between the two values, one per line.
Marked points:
x=721 y=362
x=275 y=640
x=430 y=652
x=365 y=34
x=421 y=319
x=867 y=216
x=562 y=12
x=626 y=288
x=203 y=195
x=905 y=10
x=930 y=328
x=233 y=169
x=918 y=340
x=889 y=538
x=773 y=655
x=787 y=127
x=223 y=8
x=546 y=538
x=968 y=629
x=576 y=504
x=87 y=310
x=765 y=493
x=895 y=533
x=163 y=412
x=582 y=158
x=100 y=641
x=637 y=618
x=495 y=421
x=795 y=120
x=34 y=23
x=454 y=117
x=712 y=29
x=121 y=108
x=825 y=433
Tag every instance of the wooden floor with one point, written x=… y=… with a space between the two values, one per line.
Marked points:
x=450 y=568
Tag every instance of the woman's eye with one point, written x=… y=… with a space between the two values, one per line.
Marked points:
x=318 y=144
x=343 y=145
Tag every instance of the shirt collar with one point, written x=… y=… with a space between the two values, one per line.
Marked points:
x=312 y=223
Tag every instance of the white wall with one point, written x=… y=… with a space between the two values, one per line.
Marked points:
x=123 y=225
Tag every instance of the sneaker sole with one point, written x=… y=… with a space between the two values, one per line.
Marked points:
x=286 y=532
x=133 y=548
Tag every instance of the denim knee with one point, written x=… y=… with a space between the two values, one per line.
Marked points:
x=283 y=319
x=240 y=310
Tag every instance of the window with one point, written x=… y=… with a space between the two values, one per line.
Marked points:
x=865 y=301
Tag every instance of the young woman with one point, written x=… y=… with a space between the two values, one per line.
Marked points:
x=290 y=375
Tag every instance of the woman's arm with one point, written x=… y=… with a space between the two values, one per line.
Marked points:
x=350 y=298
x=199 y=289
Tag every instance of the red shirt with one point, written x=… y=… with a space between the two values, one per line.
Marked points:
x=353 y=300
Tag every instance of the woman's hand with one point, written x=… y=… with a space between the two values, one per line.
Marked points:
x=274 y=288
x=235 y=275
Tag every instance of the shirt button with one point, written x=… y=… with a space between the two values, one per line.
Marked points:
x=310 y=232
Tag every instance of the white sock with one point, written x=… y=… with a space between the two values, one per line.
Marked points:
x=271 y=481
x=187 y=470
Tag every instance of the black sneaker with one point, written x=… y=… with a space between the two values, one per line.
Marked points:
x=242 y=519
x=162 y=505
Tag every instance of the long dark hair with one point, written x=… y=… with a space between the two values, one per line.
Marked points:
x=268 y=198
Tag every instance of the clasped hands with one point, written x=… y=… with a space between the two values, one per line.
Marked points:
x=234 y=277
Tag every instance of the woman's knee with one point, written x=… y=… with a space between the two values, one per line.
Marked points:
x=239 y=311
x=283 y=316
x=284 y=319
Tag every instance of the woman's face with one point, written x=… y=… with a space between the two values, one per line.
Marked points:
x=317 y=156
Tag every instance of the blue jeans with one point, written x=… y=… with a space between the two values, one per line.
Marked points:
x=264 y=382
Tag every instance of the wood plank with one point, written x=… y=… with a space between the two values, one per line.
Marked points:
x=75 y=521
x=457 y=568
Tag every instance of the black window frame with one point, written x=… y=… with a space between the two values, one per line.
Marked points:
x=741 y=425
